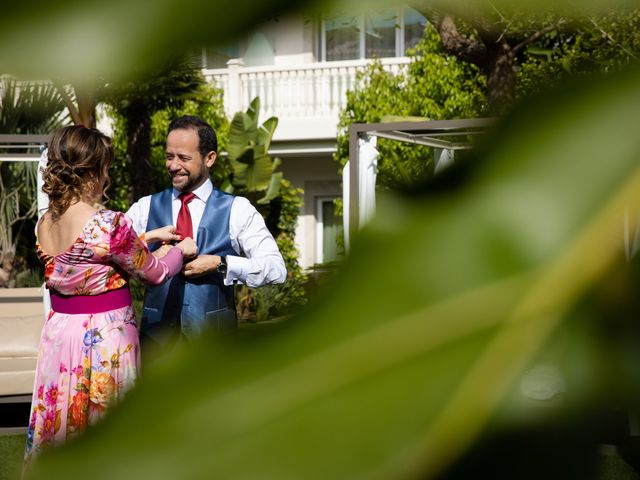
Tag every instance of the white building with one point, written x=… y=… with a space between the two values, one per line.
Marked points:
x=301 y=69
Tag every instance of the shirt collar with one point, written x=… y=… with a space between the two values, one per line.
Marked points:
x=202 y=192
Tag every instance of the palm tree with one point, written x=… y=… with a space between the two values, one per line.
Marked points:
x=25 y=108
x=166 y=87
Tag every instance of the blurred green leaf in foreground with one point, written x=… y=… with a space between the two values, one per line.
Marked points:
x=80 y=41
x=450 y=298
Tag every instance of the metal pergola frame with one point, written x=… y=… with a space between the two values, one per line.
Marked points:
x=22 y=142
x=442 y=134
x=16 y=145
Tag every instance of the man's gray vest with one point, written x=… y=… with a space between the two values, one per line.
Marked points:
x=199 y=303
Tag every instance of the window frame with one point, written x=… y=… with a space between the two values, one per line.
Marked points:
x=399 y=40
x=320 y=200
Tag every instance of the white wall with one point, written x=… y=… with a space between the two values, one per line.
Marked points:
x=291 y=38
x=318 y=176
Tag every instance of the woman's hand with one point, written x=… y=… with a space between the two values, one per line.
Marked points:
x=162 y=251
x=164 y=234
x=188 y=247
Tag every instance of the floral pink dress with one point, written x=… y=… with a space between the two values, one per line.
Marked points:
x=86 y=362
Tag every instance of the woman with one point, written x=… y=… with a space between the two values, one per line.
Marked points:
x=89 y=353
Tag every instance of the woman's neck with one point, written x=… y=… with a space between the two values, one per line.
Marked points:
x=93 y=201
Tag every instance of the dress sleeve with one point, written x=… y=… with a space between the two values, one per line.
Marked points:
x=130 y=253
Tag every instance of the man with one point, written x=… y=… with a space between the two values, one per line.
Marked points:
x=223 y=226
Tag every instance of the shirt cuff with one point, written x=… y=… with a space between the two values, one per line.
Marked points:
x=237 y=268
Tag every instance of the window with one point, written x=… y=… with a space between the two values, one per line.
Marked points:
x=380 y=33
x=414 y=24
x=376 y=34
x=342 y=38
x=329 y=227
x=219 y=56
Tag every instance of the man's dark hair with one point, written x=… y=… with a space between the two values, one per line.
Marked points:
x=207 y=140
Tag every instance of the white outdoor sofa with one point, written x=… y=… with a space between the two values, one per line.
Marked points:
x=21 y=319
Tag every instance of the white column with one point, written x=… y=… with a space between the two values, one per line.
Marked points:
x=43 y=204
x=43 y=199
x=262 y=93
x=234 y=87
x=367 y=170
x=442 y=158
x=345 y=205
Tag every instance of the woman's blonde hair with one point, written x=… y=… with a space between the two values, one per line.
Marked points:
x=79 y=159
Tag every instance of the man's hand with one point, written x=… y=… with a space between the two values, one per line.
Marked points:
x=201 y=265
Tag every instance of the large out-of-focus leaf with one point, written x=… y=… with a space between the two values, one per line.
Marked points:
x=82 y=40
x=79 y=41
x=445 y=299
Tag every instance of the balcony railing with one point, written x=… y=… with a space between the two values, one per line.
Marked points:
x=316 y=90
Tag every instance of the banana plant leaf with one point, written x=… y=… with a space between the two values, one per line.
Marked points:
x=227 y=186
x=253 y=112
x=265 y=132
x=273 y=190
x=249 y=150
x=255 y=175
x=246 y=157
x=445 y=301
x=240 y=173
x=259 y=174
x=242 y=137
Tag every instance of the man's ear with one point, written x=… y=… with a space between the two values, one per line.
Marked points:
x=210 y=159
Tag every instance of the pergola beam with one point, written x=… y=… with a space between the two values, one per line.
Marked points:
x=427 y=133
x=427 y=141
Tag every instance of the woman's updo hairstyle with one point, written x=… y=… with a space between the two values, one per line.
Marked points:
x=79 y=160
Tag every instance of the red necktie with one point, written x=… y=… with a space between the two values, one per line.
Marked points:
x=183 y=225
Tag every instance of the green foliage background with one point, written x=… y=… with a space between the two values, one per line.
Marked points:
x=24 y=109
x=273 y=301
x=254 y=175
x=280 y=214
x=588 y=43
x=207 y=103
x=435 y=86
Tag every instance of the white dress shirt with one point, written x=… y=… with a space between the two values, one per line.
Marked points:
x=262 y=262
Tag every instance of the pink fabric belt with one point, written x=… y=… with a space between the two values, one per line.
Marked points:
x=76 y=304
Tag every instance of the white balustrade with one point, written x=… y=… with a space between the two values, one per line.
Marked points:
x=308 y=90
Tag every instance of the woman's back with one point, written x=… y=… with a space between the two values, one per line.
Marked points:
x=95 y=254
x=57 y=237
x=82 y=263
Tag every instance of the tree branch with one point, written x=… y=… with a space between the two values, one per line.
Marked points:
x=610 y=38
x=462 y=47
x=453 y=42
x=537 y=35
